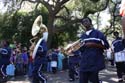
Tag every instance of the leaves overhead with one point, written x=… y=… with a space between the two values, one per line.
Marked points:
x=61 y=15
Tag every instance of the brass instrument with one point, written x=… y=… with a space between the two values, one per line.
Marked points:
x=39 y=31
x=73 y=46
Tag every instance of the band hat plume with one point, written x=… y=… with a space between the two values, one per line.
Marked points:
x=37 y=25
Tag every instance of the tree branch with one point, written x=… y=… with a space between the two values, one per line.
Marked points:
x=112 y=21
x=97 y=10
x=59 y=6
x=67 y=10
x=46 y=4
x=36 y=6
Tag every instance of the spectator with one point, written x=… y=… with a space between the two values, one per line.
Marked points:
x=60 y=60
x=54 y=59
x=49 y=54
x=25 y=60
x=19 y=62
x=13 y=56
x=30 y=67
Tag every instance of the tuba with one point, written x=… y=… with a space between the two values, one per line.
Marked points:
x=73 y=46
x=39 y=31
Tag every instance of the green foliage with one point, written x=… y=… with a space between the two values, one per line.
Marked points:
x=18 y=25
x=94 y=0
x=64 y=36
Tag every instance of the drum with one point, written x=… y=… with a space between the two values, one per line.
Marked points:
x=120 y=56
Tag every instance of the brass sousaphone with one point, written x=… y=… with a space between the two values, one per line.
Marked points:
x=39 y=30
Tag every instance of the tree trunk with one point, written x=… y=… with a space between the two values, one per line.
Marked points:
x=50 y=29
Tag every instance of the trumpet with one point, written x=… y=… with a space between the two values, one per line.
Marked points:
x=73 y=46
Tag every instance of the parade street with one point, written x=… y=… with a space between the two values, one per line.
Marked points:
x=107 y=76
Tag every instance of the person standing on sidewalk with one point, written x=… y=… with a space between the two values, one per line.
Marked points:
x=118 y=47
x=54 y=60
x=92 y=59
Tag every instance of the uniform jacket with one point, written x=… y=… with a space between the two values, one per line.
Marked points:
x=117 y=45
x=5 y=54
x=40 y=49
x=92 y=58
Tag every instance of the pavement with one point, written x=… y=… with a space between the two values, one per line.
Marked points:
x=107 y=75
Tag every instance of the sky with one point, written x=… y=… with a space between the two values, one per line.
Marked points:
x=2 y=8
x=104 y=18
x=25 y=6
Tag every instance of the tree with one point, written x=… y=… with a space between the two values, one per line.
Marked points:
x=115 y=18
x=60 y=10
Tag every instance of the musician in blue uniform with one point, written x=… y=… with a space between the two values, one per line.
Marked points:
x=5 y=53
x=39 y=56
x=92 y=59
x=74 y=59
x=117 y=47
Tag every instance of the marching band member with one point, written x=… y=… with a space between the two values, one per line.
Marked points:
x=92 y=59
x=117 y=47
x=39 y=53
x=5 y=53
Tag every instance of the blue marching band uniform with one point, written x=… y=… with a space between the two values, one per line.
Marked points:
x=5 y=53
x=39 y=56
x=117 y=46
x=92 y=59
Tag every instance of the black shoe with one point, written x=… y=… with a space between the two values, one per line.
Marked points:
x=120 y=80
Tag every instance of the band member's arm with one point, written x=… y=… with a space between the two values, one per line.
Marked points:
x=34 y=38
